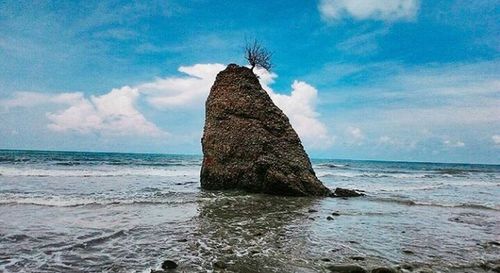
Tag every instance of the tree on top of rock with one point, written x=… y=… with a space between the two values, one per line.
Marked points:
x=257 y=55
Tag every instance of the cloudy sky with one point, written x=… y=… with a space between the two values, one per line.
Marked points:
x=359 y=79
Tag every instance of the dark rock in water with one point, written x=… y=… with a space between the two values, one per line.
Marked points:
x=358 y=258
x=220 y=265
x=383 y=270
x=485 y=266
x=168 y=264
x=312 y=210
x=406 y=251
x=329 y=218
x=157 y=271
x=249 y=144
x=335 y=214
x=340 y=192
x=325 y=259
x=347 y=268
x=407 y=266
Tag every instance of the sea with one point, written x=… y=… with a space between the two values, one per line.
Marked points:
x=119 y=212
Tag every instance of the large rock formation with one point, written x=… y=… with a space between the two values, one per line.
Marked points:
x=249 y=144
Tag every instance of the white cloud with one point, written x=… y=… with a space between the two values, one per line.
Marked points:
x=388 y=141
x=385 y=10
x=111 y=114
x=300 y=107
x=496 y=140
x=453 y=144
x=354 y=135
x=185 y=91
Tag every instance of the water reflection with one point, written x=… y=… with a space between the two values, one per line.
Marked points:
x=252 y=233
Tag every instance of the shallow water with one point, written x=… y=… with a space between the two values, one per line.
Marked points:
x=98 y=212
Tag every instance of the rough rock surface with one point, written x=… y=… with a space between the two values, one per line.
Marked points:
x=249 y=144
x=340 y=192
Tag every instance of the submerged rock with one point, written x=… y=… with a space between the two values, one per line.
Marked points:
x=219 y=265
x=249 y=144
x=168 y=264
x=340 y=192
x=383 y=270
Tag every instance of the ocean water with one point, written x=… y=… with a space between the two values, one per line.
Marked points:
x=106 y=212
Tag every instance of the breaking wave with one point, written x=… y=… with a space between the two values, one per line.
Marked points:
x=374 y=175
x=95 y=172
x=432 y=204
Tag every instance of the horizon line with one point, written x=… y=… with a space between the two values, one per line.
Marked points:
x=188 y=154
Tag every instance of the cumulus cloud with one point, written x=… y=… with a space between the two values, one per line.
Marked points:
x=113 y=113
x=300 y=107
x=184 y=91
x=385 y=10
x=496 y=140
x=354 y=135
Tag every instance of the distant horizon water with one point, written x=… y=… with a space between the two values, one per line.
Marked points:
x=201 y=155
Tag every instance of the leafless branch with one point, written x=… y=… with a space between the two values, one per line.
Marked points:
x=257 y=55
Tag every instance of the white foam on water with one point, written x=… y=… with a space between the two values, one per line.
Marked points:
x=72 y=201
x=435 y=204
x=373 y=175
x=98 y=172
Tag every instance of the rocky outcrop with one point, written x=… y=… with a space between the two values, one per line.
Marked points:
x=340 y=192
x=249 y=144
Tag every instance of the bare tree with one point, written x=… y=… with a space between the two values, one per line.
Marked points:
x=257 y=55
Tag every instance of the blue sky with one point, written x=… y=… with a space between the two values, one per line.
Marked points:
x=374 y=79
